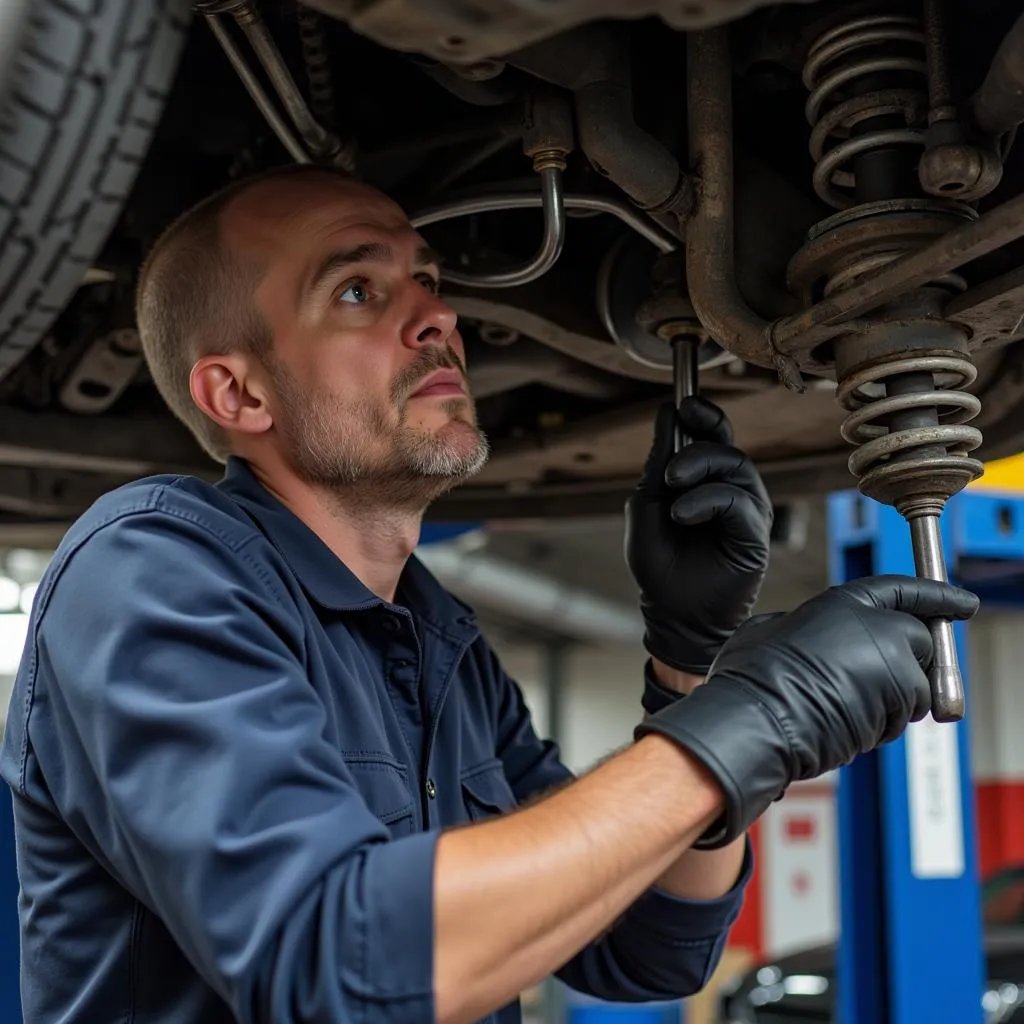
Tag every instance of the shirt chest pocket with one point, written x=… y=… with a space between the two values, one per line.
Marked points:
x=485 y=790
x=384 y=785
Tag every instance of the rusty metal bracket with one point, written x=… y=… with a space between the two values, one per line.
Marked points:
x=824 y=320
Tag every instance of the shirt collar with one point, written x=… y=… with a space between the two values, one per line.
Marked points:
x=321 y=573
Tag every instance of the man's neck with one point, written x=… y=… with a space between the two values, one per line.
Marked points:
x=372 y=539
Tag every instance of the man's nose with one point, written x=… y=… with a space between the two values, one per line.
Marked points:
x=431 y=320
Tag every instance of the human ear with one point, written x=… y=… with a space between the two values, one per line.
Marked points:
x=227 y=390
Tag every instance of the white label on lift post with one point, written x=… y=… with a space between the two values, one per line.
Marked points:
x=933 y=785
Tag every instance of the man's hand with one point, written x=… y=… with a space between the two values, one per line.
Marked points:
x=698 y=528
x=792 y=696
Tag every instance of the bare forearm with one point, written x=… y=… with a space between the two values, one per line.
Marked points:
x=698 y=874
x=704 y=874
x=516 y=897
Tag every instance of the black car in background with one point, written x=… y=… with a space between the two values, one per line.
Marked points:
x=800 y=988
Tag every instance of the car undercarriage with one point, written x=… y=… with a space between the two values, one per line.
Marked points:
x=824 y=197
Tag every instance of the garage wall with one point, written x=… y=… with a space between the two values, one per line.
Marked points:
x=6 y=682
x=600 y=697
x=602 y=685
x=13 y=628
x=996 y=716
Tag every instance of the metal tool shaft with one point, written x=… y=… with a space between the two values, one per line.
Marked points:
x=685 y=373
x=946 y=682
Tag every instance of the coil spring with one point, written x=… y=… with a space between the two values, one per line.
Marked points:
x=871 y=412
x=857 y=50
x=885 y=243
x=316 y=57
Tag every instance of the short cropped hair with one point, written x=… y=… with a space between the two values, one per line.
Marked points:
x=195 y=298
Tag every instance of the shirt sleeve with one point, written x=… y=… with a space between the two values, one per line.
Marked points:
x=183 y=744
x=663 y=947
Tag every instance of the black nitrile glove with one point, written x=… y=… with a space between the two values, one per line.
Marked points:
x=698 y=529
x=795 y=695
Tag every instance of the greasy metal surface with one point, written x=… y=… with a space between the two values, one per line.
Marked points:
x=593 y=63
x=316 y=57
x=800 y=333
x=913 y=454
x=324 y=145
x=998 y=105
x=831 y=132
x=590 y=350
x=479 y=92
x=900 y=376
x=827 y=171
x=454 y=30
x=871 y=456
x=805 y=419
x=957 y=169
x=993 y=311
x=844 y=60
x=547 y=125
x=277 y=123
x=913 y=441
x=710 y=243
x=496 y=370
x=642 y=304
x=40 y=493
x=936 y=41
x=950 y=167
x=842 y=247
x=319 y=141
x=862 y=239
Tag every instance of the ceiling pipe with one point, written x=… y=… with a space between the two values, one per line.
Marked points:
x=500 y=586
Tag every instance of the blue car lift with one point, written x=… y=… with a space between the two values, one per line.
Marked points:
x=910 y=947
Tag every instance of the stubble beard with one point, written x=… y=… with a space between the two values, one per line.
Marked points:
x=356 y=452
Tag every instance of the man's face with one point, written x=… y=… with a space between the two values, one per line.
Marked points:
x=367 y=368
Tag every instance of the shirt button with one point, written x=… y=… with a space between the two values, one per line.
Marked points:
x=391 y=624
x=431 y=789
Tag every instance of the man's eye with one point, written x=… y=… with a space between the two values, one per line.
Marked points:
x=356 y=293
x=431 y=284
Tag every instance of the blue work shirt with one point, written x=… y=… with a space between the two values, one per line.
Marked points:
x=231 y=763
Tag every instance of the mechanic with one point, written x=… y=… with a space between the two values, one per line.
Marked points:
x=266 y=769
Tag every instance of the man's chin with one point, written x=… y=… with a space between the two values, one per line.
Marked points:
x=460 y=451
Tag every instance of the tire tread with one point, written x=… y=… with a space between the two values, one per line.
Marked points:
x=89 y=80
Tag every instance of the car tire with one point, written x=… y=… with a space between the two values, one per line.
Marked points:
x=78 y=108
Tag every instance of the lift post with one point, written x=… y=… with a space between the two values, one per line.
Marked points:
x=911 y=942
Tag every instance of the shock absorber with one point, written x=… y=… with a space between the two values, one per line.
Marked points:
x=901 y=373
